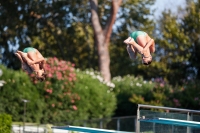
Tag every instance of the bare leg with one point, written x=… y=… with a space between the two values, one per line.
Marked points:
x=19 y=57
x=32 y=56
x=142 y=40
x=24 y=66
x=34 y=66
x=26 y=58
x=134 y=44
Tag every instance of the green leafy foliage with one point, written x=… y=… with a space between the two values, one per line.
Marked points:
x=63 y=29
x=187 y=96
x=159 y=94
x=6 y=123
x=176 y=46
x=131 y=91
x=127 y=87
x=18 y=87
x=133 y=15
x=97 y=100
x=55 y=31
x=191 y=25
x=66 y=95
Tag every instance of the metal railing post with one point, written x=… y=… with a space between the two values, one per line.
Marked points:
x=118 y=124
x=138 y=122
x=188 y=118
x=101 y=123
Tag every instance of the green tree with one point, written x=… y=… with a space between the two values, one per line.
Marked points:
x=173 y=51
x=102 y=35
x=133 y=15
x=191 y=25
x=63 y=29
x=177 y=46
x=41 y=24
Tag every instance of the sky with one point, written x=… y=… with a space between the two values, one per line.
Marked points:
x=161 y=5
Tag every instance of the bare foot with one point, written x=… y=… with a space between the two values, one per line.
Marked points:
x=26 y=58
x=19 y=57
x=127 y=41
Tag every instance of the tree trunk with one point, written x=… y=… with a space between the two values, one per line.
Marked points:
x=102 y=36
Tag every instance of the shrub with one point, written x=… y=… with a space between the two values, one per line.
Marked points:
x=159 y=94
x=18 y=87
x=65 y=96
x=6 y=123
x=57 y=91
x=125 y=88
x=187 y=96
x=97 y=100
x=96 y=95
x=71 y=95
x=132 y=90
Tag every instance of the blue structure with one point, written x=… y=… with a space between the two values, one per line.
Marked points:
x=193 y=124
x=147 y=120
x=87 y=129
x=168 y=119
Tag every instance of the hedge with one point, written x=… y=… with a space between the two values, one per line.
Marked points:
x=6 y=123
